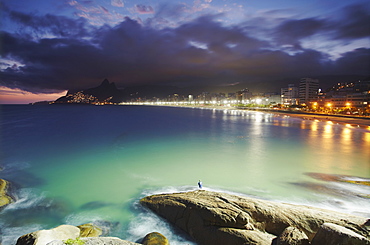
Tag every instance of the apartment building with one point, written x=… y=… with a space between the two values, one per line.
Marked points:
x=308 y=90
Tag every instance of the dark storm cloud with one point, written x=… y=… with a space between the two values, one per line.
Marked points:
x=292 y=30
x=48 y=24
x=48 y=63
x=354 y=22
x=350 y=23
x=198 y=52
x=356 y=60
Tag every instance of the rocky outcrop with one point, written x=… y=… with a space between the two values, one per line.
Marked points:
x=43 y=237
x=82 y=235
x=98 y=241
x=220 y=218
x=5 y=197
x=155 y=238
x=332 y=234
x=60 y=234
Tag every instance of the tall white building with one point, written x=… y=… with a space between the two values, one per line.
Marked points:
x=308 y=90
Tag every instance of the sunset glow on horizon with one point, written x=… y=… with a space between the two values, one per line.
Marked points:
x=17 y=96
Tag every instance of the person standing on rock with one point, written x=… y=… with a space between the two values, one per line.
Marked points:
x=200 y=184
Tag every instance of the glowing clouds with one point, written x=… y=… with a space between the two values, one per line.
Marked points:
x=117 y=3
x=143 y=9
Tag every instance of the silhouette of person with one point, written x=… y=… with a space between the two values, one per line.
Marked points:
x=200 y=184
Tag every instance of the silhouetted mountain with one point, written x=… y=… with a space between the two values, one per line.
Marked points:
x=105 y=92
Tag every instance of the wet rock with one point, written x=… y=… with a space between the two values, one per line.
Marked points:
x=292 y=236
x=98 y=241
x=220 y=218
x=43 y=237
x=61 y=234
x=90 y=230
x=155 y=238
x=5 y=197
x=332 y=234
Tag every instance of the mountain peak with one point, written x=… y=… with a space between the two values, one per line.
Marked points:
x=106 y=91
x=105 y=82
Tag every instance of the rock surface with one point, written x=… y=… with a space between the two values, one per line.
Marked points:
x=5 y=197
x=98 y=241
x=292 y=236
x=332 y=234
x=220 y=218
x=84 y=233
x=43 y=237
x=155 y=238
x=90 y=230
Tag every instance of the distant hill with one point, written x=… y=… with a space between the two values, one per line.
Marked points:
x=105 y=92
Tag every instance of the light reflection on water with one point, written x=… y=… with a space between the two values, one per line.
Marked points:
x=109 y=167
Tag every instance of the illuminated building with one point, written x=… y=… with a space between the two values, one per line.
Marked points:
x=289 y=95
x=308 y=90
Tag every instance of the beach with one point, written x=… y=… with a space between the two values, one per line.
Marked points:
x=349 y=121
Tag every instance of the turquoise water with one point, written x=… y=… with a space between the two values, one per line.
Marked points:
x=80 y=164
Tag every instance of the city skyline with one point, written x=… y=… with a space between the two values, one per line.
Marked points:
x=48 y=47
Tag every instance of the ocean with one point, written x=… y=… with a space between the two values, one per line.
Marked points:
x=83 y=164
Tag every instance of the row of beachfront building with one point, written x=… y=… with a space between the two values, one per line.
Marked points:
x=345 y=98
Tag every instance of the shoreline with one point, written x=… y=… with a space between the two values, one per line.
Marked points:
x=349 y=121
x=360 y=122
x=334 y=119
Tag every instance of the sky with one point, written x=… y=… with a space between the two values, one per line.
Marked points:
x=48 y=47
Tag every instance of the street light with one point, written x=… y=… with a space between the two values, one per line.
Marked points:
x=348 y=105
x=329 y=105
x=314 y=106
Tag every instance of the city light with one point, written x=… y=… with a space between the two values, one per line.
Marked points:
x=349 y=103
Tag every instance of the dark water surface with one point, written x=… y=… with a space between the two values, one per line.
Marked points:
x=80 y=164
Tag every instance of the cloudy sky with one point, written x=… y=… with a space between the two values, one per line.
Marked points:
x=48 y=47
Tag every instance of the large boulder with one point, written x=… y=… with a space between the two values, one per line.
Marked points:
x=155 y=238
x=292 y=236
x=220 y=218
x=332 y=234
x=5 y=197
x=43 y=237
